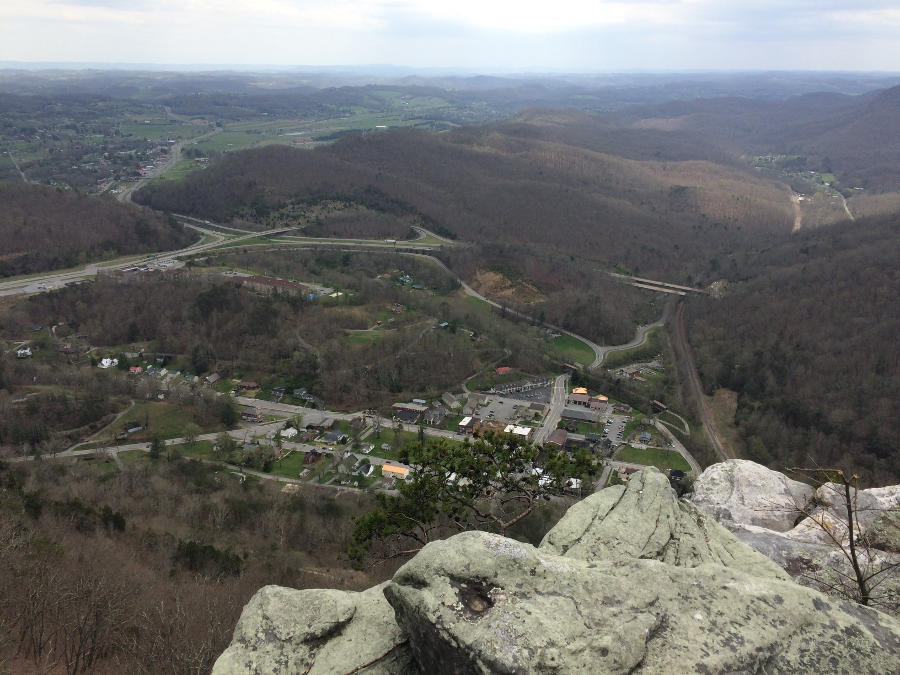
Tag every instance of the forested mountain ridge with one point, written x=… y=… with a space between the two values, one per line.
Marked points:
x=43 y=228
x=856 y=137
x=807 y=337
x=518 y=182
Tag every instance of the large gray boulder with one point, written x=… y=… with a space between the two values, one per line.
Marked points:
x=644 y=521
x=746 y=493
x=884 y=532
x=631 y=580
x=480 y=603
x=283 y=631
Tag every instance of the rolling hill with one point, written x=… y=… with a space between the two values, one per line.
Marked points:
x=43 y=229
x=565 y=181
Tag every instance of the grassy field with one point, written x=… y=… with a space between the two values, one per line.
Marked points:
x=574 y=349
x=173 y=131
x=182 y=169
x=367 y=337
x=492 y=379
x=166 y=419
x=201 y=449
x=290 y=466
x=133 y=456
x=583 y=427
x=239 y=140
x=661 y=459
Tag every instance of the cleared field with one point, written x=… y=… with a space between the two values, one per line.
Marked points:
x=166 y=419
x=574 y=349
x=661 y=459
x=154 y=131
x=366 y=337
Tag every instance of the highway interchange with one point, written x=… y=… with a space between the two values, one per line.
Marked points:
x=213 y=238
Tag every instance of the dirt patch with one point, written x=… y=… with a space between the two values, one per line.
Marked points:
x=722 y=407
x=495 y=285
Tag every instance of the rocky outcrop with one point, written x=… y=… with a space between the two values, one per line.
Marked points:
x=630 y=581
x=814 y=552
x=644 y=521
x=283 y=631
x=479 y=603
x=741 y=492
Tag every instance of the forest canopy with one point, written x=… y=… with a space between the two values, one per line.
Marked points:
x=808 y=340
x=43 y=229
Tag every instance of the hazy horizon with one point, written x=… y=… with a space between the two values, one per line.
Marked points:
x=497 y=36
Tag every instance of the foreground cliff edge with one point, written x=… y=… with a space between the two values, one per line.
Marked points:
x=631 y=580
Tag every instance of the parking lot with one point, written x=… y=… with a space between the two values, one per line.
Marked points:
x=503 y=409
x=538 y=395
x=614 y=430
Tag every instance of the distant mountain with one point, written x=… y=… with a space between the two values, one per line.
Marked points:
x=856 y=137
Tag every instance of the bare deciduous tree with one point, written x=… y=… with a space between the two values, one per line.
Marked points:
x=868 y=575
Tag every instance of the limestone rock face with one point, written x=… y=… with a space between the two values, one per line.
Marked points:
x=283 y=631
x=884 y=532
x=630 y=581
x=645 y=521
x=480 y=603
x=745 y=493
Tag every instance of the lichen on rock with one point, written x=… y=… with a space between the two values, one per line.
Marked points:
x=631 y=580
x=644 y=521
x=746 y=493
x=283 y=631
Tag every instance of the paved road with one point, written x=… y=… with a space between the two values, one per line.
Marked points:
x=598 y=350
x=16 y=164
x=554 y=414
x=678 y=447
x=640 y=336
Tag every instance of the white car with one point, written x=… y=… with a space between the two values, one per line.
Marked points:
x=41 y=287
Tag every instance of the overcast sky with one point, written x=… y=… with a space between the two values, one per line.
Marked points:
x=488 y=35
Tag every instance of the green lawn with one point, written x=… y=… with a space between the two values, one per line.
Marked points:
x=573 y=349
x=166 y=419
x=492 y=379
x=661 y=459
x=476 y=302
x=133 y=456
x=290 y=466
x=367 y=337
x=452 y=422
x=201 y=449
x=583 y=427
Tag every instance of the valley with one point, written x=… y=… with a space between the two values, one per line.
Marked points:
x=270 y=331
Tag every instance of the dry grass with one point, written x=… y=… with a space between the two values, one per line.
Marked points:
x=722 y=407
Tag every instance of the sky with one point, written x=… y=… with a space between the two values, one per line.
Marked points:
x=487 y=35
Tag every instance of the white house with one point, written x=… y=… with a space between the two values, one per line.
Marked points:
x=108 y=363
x=23 y=353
